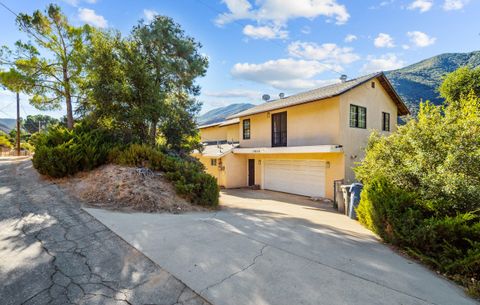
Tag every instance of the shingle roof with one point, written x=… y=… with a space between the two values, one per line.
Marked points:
x=216 y=151
x=326 y=92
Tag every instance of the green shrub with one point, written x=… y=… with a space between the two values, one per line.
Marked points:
x=61 y=152
x=186 y=174
x=4 y=142
x=422 y=189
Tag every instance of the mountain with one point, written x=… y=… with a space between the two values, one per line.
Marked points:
x=421 y=80
x=219 y=114
x=7 y=124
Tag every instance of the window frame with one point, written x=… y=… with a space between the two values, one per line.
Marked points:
x=246 y=130
x=283 y=121
x=386 y=124
x=354 y=122
x=213 y=162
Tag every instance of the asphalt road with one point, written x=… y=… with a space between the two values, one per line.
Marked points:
x=53 y=252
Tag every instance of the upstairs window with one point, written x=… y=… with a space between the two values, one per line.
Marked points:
x=279 y=129
x=246 y=129
x=358 y=116
x=385 y=121
x=213 y=162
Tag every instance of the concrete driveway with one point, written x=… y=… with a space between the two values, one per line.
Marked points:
x=270 y=248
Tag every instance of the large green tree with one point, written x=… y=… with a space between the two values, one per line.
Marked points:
x=49 y=67
x=146 y=81
x=34 y=123
x=460 y=83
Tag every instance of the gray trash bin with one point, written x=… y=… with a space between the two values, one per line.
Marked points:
x=355 y=191
x=346 y=197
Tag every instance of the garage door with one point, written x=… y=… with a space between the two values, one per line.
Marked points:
x=302 y=177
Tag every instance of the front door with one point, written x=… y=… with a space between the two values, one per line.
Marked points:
x=251 y=172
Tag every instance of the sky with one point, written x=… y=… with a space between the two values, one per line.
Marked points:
x=258 y=47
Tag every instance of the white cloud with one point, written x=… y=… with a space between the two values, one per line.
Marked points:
x=451 y=5
x=350 y=38
x=264 y=32
x=384 y=41
x=77 y=2
x=306 y=30
x=383 y=63
x=90 y=17
x=328 y=52
x=421 y=5
x=420 y=39
x=149 y=14
x=277 y=13
x=283 y=74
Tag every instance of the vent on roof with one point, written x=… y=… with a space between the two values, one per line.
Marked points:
x=281 y=95
x=343 y=78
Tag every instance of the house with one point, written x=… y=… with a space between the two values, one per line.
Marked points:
x=302 y=143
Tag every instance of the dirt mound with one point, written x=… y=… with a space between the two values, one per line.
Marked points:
x=126 y=188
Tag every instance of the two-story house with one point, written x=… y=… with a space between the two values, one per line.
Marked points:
x=302 y=143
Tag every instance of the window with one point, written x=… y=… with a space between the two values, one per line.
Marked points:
x=385 y=121
x=213 y=162
x=373 y=85
x=358 y=116
x=279 y=129
x=246 y=129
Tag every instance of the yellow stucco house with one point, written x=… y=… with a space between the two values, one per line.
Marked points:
x=302 y=143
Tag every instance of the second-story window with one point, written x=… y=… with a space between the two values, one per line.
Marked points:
x=213 y=162
x=279 y=129
x=358 y=116
x=246 y=129
x=385 y=121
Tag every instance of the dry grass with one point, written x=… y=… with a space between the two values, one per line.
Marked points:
x=124 y=188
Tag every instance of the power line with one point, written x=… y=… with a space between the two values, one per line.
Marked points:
x=237 y=22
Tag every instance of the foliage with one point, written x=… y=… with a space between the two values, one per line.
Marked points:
x=61 y=152
x=422 y=185
x=144 y=83
x=5 y=142
x=460 y=83
x=33 y=122
x=50 y=66
x=187 y=174
x=27 y=146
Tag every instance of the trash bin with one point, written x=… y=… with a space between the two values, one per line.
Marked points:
x=355 y=191
x=346 y=197
x=338 y=202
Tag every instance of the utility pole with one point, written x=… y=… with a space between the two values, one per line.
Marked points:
x=18 y=124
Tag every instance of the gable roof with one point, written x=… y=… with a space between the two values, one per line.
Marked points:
x=327 y=92
x=221 y=123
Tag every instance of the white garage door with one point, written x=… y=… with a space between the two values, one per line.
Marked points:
x=302 y=177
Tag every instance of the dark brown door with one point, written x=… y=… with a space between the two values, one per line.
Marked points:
x=279 y=129
x=251 y=172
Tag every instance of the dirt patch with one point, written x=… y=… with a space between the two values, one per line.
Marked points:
x=126 y=188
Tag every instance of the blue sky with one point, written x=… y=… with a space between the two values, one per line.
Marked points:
x=272 y=46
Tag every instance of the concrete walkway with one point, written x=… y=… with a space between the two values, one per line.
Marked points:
x=52 y=252
x=270 y=248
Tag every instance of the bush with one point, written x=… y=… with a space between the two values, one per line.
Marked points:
x=422 y=189
x=61 y=152
x=4 y=142
x=186 y=174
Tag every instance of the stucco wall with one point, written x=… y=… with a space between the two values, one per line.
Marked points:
x=354 y=140
x=233 y=132
x=214 y=133
x=235 y=170
x=212 y=170
x=313 y=123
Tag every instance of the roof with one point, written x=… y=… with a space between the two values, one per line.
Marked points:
x=327 y=92
x=216 y=151
x=221 y=124
x=229 y=122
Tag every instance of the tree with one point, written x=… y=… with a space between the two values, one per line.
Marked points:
x=460 y=83
x=50 y=67
x=145 y=82
x=34 y=122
